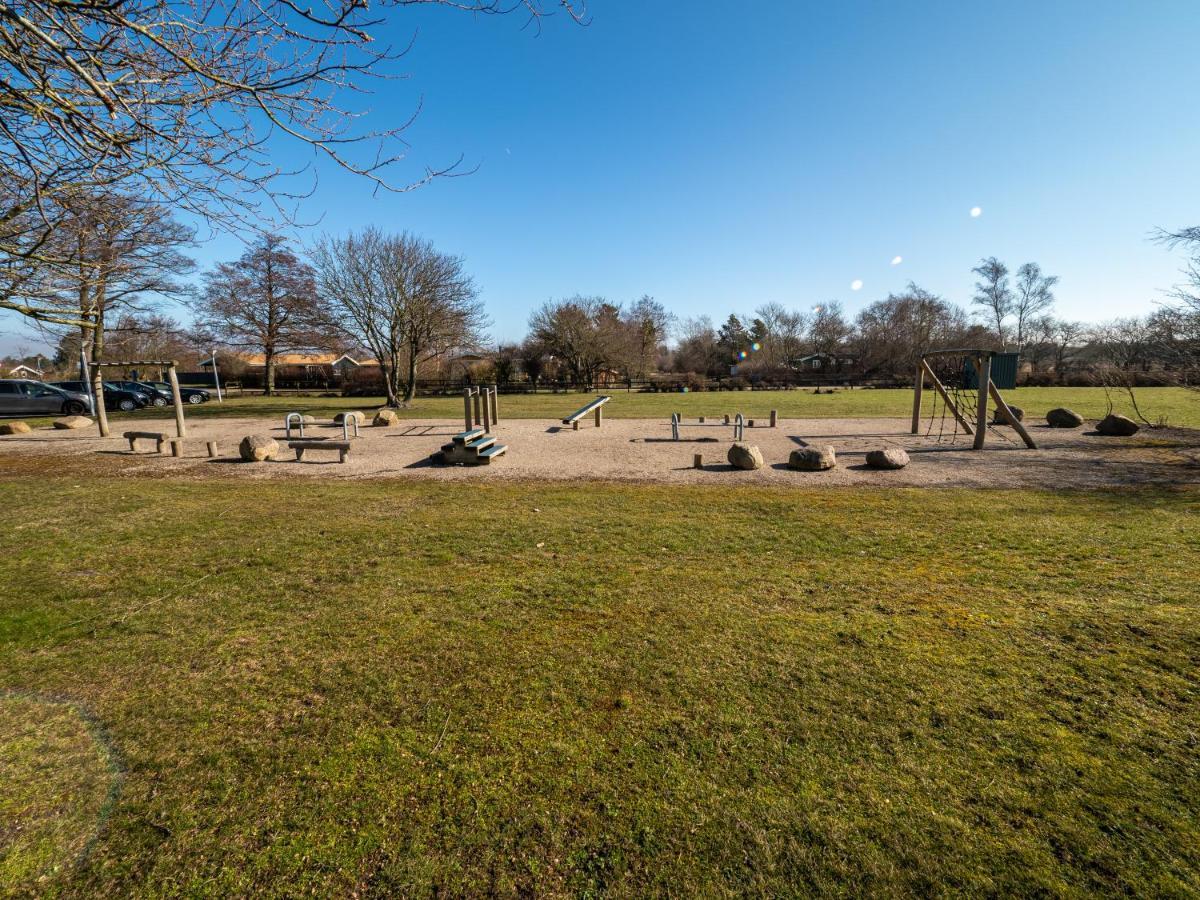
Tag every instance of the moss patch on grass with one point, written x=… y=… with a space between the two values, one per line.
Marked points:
x=391 y=688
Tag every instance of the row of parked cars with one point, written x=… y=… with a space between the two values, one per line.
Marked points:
x=23 y=397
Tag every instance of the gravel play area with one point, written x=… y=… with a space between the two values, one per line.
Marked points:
x=638 y=450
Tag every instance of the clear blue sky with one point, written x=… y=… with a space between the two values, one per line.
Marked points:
x=719 y=155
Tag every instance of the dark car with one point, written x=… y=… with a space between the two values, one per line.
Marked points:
x=114 y=397
x=188 y=395
x=158 y=396
x=21 y=397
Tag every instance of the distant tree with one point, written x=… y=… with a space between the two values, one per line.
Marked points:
x=994 y=296
x=400 y=297
x=1177 y=326
x=504 y=363
x=733 y=338
x=829 y=330
x=581 y=332
x=265 y=301
x=699 y=349
x=1032 y=296
x=648 y=325
x=532 y=357
x=894 y=332
x=785 y=334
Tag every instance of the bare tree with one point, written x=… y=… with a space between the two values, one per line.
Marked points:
x=579 y=332
x=399 y=297
x=1177 y=326
x=265 y=301
x=994 y=296
x=648 y=324
x=829 y=330
x=1034 y=295
x=893 y=333
x=785 y=333
x=181 y=103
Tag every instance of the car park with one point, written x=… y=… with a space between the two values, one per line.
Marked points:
x=186 y=394
x=158 y=396
x=114 y=397
x=23 y=397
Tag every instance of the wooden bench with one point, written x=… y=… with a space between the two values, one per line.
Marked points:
x=342 y=448
x=157 y=436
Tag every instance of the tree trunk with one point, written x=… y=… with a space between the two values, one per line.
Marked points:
x=269 y=373
x=410 y=388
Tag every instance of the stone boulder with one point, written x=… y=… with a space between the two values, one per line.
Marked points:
x=72 y=422
x=812 y=459
x=14 y=428
x=745 y=456
x=340 y=418
x=1113 y=425
x=309 y=420
x=386 y=418
x=887 y=458
x=258 y=447
x=998 y=417
x=1061 y=417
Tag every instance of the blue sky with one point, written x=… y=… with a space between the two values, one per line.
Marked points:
x=718 y=156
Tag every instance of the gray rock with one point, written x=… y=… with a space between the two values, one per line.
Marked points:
x=341 y=417
x=745 y=456
x=258 y=447
x=309 y=420
x=14 y=428
x=1061 y=417
x=887 y=458
x=71 y=422
x=1117 y=426
x=385 y=418
x=998 y=418
x=812 y=459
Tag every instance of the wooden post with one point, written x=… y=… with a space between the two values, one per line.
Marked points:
x=599 y=415
x=697 y=461
x=726 y=418
x=486 y=405
x=575 y=425
x=918 y=388
x=774 y=418
x=983 y=366
x=177 y=448
x=180 y=425
x=98 y=399
x=478 y=407
x=495 y=404
x=702 y=420
x=212 y=449
x=1011 y=418
x=466 y=409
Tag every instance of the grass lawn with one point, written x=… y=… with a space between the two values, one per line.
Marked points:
x=1177 y=405
x=399 y=689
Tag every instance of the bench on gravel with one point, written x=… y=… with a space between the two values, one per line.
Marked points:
x=342 y=448
x=594 y=406
x=159 y=439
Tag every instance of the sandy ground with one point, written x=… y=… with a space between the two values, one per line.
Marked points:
x=641 y=450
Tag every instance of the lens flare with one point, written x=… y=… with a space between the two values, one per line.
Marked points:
x=756 y=346
x=856 y=284
x=976 y=212
x=741 y=354
x=896 y=260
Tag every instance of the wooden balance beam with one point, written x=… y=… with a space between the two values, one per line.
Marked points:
x=595 y=405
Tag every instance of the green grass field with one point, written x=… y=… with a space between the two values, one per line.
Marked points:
x=399 y=689
x=1177 y=406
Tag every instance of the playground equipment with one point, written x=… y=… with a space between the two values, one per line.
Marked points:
x=595 y=406
x=342 y=448
x=739 y=424
x=159 y=438
x=962 y=380
x=481 y=408
x=299 y=421
x=473 y=447
x=96 y=380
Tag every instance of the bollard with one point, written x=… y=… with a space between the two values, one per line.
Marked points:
x=774 y=418
x=698 y=461
x=212 y=449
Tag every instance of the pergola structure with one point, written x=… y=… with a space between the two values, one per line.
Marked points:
x=98 y=389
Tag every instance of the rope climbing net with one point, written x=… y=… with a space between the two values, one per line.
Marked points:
x=963 y=398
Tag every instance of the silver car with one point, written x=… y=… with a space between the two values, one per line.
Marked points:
x=21 y=397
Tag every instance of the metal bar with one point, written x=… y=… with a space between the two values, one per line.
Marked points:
x=287 y=424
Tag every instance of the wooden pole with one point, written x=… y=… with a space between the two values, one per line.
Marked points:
x=478 y=407
x=98 y=400
x=486 y=404
x=940 y=388
x=599 y=415
x=983 y=366
x=697 y=461
x=466 y=409
x=1010 y=417
x=495 y=404
x=774 y=418
x=918 y=387
x=180 y=425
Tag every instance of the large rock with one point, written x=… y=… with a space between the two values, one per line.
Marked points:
x=1117 y=426
x=812 y=459
x=887 y=458
x=258 y=447
x=72 y=422
x=309 y=420
x=998 y=418
x=745 y=456
x=340 y=418
x=14 y=428
x=1061 y=417
x=385 y=418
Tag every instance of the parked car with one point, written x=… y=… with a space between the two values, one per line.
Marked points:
x=114 y=397
x=158 y=396
x=22 y=397
x=188 y=395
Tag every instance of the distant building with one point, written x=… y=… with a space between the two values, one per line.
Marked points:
x=826 y=363
x=24 y=371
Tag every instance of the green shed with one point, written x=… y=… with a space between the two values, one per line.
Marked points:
x=1004 y=371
